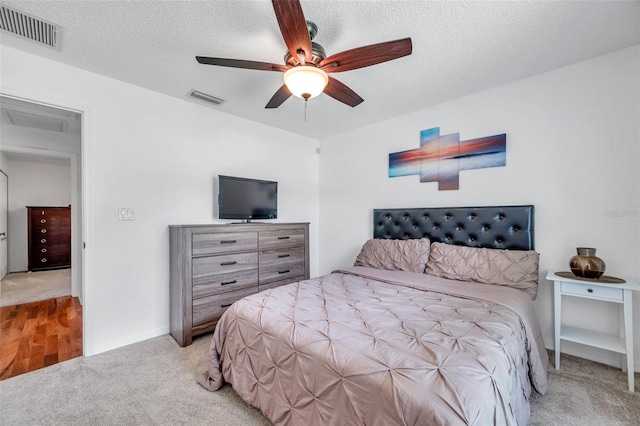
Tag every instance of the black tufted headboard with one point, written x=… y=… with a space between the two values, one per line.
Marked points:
x=501 y=227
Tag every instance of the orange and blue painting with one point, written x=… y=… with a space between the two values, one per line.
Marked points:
x=440 y=158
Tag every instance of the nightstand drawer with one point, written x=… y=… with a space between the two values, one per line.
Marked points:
x=592 y=291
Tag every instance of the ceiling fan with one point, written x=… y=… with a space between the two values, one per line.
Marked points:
x=306 y=63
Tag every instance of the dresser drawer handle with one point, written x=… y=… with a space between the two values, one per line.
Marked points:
x=283 y=238
x=43 y=220
x=229 y=282
x=590 y=290
x=226 y=305
x=228 y=263
x=284 y=272
x=44 y=250
x=43 y=260
x=43 y=231
x=280 y=256
x=44 y=240
x=228 y=241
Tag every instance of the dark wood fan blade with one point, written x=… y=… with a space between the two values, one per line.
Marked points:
x=280 y=96
x=340 y=92
x=365 y=56
x=238 y=63
x=293 y=27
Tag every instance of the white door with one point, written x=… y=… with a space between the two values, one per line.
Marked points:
x=4 y=205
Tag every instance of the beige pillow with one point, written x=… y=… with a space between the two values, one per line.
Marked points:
x=512 y=268
x=399 y=255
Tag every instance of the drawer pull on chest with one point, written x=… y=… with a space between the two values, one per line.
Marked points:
x=228 y=241
x=43 y=260
x=229 y=282
x=283 y=238
x=226 y=305
x=284 y=272
x=43 y=220
x=283 y=255
x=44 y=240
x=44 y=231
x=228 y=263
x=44 y=250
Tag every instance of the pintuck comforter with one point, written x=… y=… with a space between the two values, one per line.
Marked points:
x=375 y=347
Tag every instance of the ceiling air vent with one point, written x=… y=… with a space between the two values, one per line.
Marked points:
x=27 y=26
x=205 y=97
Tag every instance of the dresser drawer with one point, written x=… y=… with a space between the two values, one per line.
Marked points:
x=216 y=243
x=51 y=249
x=281 y=256
x=263 y=287
x=281 y=238
x=211 y=308
x=38 y=213
x=40 y=230
x=52 y=221
x=218 y=274
x=44 y=240
x=596 y=292
x=279 y=272
x=46 y=260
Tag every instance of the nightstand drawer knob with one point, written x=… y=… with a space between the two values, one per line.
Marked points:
x=590 y=290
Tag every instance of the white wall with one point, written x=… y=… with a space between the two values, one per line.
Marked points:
x=572 y=151
x=32 y=184
x=160 y=156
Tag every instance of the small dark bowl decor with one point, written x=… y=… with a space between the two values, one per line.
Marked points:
x=586 y=264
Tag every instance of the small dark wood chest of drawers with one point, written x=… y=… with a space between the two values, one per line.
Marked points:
x=212 y=266
x=49 y=237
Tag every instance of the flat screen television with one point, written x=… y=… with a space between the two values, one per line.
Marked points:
x=247 y=199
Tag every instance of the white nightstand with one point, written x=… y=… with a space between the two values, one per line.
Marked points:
x=614 y=293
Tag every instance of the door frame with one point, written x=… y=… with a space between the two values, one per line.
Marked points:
x=6 y=213
x=80 y=255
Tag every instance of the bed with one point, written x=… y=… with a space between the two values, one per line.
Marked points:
x=434 y=324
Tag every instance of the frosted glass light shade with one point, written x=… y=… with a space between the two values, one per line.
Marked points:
x=305 y=82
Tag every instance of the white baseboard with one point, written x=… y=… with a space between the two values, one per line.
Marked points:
x=126 y=340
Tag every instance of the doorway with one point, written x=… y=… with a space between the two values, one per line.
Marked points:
x=41 y=145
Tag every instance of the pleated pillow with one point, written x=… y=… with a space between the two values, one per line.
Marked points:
x=395 y=255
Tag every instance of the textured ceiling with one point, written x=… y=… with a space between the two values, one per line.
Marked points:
x=458 y=48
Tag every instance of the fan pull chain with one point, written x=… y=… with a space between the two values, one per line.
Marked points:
x=305 y=109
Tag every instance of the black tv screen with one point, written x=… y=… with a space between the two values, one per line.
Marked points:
x=247 y=199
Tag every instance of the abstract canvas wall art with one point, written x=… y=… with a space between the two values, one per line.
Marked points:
x=440 y=158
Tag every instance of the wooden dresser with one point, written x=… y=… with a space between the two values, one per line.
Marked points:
x=212 y=266
x=49 y=237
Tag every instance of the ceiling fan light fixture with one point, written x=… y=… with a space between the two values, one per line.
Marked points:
x=305 y=81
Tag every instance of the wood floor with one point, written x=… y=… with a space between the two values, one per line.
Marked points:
x=38 y=334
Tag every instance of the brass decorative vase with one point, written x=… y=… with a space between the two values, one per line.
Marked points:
x=586 y=264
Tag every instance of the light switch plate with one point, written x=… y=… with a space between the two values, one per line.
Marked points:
x=126 y=213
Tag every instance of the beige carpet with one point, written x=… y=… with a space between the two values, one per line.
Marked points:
x=24 y=287
x=154 y=383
